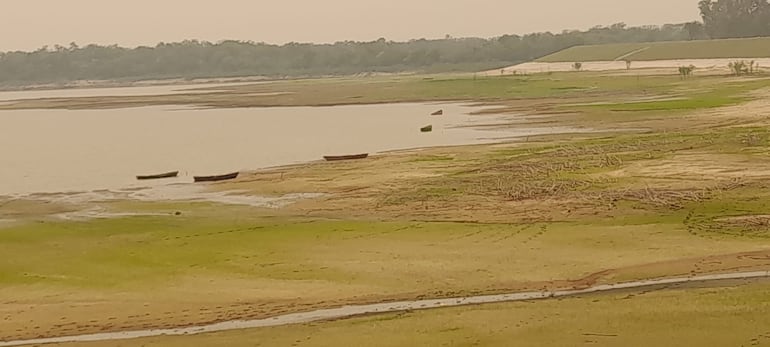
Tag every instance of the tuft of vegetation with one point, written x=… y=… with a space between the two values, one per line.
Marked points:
x=742 y=67
x=686 y=71
x=577 y=66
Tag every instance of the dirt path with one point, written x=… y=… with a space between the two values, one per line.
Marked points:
x=624 y=56
x=352 y=311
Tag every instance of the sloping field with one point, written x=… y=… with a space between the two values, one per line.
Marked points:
x=703 y=66
x=675 y=50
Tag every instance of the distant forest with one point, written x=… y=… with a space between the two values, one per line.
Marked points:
x=195 y=59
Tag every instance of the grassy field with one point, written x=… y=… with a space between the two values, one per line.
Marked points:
x=166 y=271
x=705 y=49
x=735 y=316
x=674 y=185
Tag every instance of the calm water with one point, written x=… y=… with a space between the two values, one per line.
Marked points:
x=84 y=150
x=115 y=91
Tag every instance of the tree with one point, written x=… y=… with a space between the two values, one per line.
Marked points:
x=695 y=31
x=686 y=71
x=735 y=18
x=201 y=59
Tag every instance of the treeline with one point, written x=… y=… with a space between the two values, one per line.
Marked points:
x=195 y=59
x=732 y=19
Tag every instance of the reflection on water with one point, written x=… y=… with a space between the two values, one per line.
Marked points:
x=84 y=150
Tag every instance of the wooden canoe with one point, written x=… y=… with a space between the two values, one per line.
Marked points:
x=426 y=129
x=158 y=176
x=438 y=113
x=225 y=177
x=346 y=157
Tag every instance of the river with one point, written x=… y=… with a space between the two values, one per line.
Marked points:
x=84 y=150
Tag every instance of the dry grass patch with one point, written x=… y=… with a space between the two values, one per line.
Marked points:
x=65 y=278
x=724 y=314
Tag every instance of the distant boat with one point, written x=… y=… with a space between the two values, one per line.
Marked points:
x=426 y=129
x=438 y=113
x=346 y=157
x=158 y=176
x=225 y=177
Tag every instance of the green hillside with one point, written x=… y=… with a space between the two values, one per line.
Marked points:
x=705 y=49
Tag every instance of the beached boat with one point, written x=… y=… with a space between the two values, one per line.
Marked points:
x=225 y=177
x=438 y=113
x=426 y=129
x=346 y=157
x=158 y=176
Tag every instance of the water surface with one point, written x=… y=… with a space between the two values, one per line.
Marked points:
x=84 y=150
x=6 y=96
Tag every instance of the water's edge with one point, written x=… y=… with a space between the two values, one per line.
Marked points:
x=358 y=310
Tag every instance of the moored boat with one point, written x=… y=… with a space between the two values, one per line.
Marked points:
x=346 y=157
x=438 y=113
x=158 y=176
x=224 y=177
x=426 y=129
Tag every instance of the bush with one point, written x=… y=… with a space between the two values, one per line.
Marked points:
x=577 y=66
x=686 y=71
x=742 y=67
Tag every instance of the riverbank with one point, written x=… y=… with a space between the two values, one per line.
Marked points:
x=685 y=197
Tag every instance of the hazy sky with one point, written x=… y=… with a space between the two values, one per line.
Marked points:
x=30 y=24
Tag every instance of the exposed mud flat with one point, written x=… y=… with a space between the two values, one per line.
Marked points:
x=115 y=91
x=173 y=192
x=184 y=192
x=100 y=213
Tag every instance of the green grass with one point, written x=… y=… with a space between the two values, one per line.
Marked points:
x=168 y=270
x=144 y=252
x=561 y=84
x=705 y=49
x=680 y=99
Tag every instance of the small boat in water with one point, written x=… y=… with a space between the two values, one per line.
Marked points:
x=158 y=176
x=225 y=177
x=426 y=129
x=438 y=113
x=346 y=157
